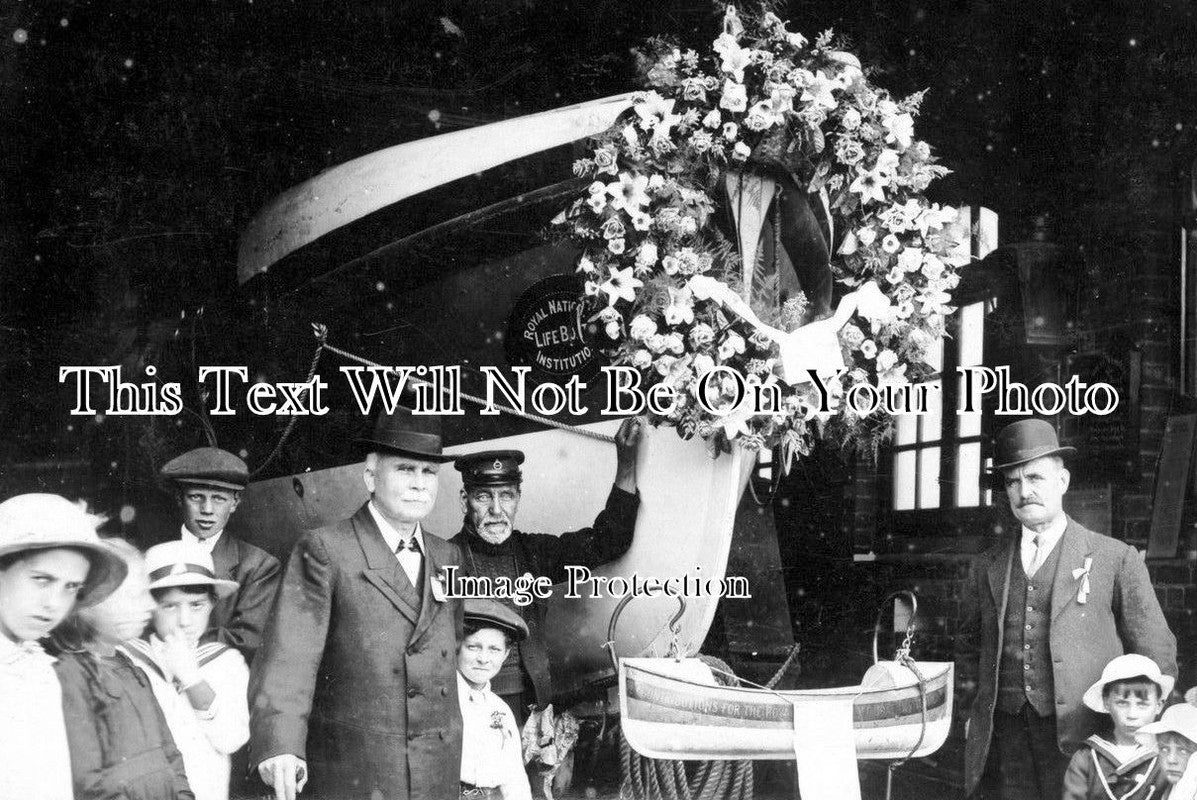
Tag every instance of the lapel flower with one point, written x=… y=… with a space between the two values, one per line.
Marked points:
x=1082 y=574
x=496 y=720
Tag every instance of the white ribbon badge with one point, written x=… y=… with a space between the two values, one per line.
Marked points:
x=1082 y=574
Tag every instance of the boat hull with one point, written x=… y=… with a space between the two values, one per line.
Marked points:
x=668 y=711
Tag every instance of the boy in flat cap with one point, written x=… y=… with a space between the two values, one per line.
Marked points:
x=1052 y=604
x=492 y=547
x=492 y=762
x=208 y=483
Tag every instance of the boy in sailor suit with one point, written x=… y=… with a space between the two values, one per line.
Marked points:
x=492 y=762
x=1119 y=767
x=201 y=687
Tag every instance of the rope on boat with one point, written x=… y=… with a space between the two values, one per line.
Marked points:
x=904 y=658
x=321 y=336
x=321 y=332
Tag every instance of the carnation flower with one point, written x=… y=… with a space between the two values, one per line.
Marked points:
x=732 y=345
x=891 y=244
x=675 y=344
x=868 y=348
x=701 y=335
x=681 y=307
x=646 y=254
x=703 y=364
x=616 y=246
x=851 y=120
x=642 y=327
x=713 y=119
x=656 y=342
x=867 y=236
x=886 y=359
x=741 y=152
x=851 y=336
x=642 y=359
x=735 y=96
x=730 y=130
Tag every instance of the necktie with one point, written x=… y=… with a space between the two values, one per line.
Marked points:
x=1037 y=556
x=408 y=553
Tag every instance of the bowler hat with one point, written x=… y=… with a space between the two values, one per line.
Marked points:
x=178 y=563
x=406 y=434
x=1126 y=667
x=1027 y=440
x=490 y=468
x=31 y=522
x=207 y=466
x=486 y=613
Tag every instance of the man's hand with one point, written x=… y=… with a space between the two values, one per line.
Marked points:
x=627 y=442
x=288 y=774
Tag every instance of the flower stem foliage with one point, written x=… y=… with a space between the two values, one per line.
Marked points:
x=662 y=280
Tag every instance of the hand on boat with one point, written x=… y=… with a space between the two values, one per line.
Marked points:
x=627 y=442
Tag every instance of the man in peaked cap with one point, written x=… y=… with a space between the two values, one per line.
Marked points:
x=492 y=547
x=1052 y=604
x=208 y=483
x=355 y=688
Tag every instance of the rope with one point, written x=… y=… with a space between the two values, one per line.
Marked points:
x=320 y=332
x=546 y=421
x=661 y=779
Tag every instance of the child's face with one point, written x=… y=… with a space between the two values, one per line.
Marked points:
x=184 y=611
x=38 y=591
x=1131 y=706
x=124 y=614
x=481 y=655
x=1174 y=754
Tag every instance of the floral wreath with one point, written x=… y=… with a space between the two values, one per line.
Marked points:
x=664 y=283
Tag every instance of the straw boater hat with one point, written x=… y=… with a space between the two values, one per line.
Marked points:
x=1027 y=440
x=1131 y=665
x=30 y=522
x=493 y=614
x=406 y=434
x=174 y=564
x=207 y=466
x=1180 y=718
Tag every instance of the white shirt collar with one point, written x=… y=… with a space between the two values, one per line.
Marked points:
x=465 y=690
x=208 y=544
x=389 y=534
x=13 y=652
x=1050 y=536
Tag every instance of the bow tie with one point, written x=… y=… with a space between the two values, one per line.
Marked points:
x=410 y=544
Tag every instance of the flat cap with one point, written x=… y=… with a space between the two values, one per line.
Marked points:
x=209 y=466
x=490 y=468
x=493 y=614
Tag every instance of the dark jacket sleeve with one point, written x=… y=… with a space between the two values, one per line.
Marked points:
x=245 y=625
x=283 y=678
x=1077 y=777
x=1137 y=613
x=608 y=539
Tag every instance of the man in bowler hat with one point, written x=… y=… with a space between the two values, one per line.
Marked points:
x=208 y=483
x=1050 y=607
x=492 y=547
x=355 y=687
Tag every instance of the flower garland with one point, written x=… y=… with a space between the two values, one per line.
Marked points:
x=663 y=280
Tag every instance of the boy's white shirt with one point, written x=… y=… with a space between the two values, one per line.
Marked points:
x=204 y=738
x=490 y=756
x=33 y=741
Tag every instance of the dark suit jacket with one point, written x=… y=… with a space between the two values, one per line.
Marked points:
x=1121 y=615
x=357 y=672
x=239 y=619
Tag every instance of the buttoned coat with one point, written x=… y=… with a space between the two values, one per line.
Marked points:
x=1121 y=614
x=239 y=619
x=357 y=672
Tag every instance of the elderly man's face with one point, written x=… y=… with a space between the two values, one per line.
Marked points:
x=491 y=510
x=404 y=489
x=1036 y=491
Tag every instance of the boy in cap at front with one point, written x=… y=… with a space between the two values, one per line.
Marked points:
x=50 y=560
x=492 y=763
x=1175 y=736
x=1131 y=691
x=201 y=687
